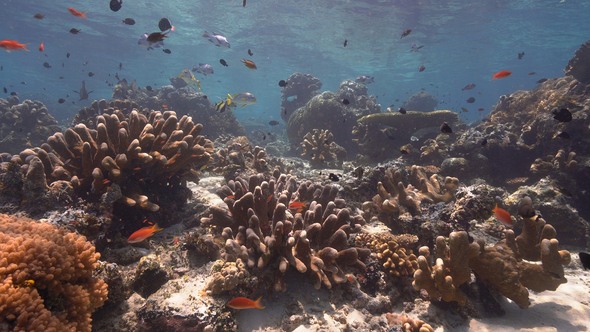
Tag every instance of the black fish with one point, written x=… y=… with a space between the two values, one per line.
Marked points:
x=520 y=55
x=402 y=110
x=345 y=101
x=117 y=76
x=345 y=42
x=445 y=128
x=149 y=88
x=282 y=83
x=205 y=97
x=389 y=131
x=61 y=100
x=5 y=90
x=563 y=134
x=273 y=123
x=164 y=24
x=244 y=3
x=90 y=74
x=120 y=67
x=13 y=93
x=223 y=62
x=68 y=55
x=543 y=80
x=128 y=21
x=250 y=53
x=421 y=69
x=75 y=31
x=155 y=37
x=468 y=87
x=484 y=142
x=406 y=32
x=471 y=100
x=63 y=64
x=46 y=65
x=61 y=77
x=334 y=177
x=23 y=83
x=116 y=5
x=585 y=259
x=167 y=51
x=404 y=151
x=562 y=115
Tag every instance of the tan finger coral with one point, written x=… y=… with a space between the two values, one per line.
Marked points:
x=46 y=274
x=319 y=145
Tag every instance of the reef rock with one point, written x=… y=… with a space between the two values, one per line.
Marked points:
x=579 y=65
x=421 y=102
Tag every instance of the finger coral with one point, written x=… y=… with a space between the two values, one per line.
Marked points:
x=272 y=225
x=392 y=251
x=319 y=145
x=47 y=282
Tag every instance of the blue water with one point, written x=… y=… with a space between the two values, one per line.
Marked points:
x=464 y=42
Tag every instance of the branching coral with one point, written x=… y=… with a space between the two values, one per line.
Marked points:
x=408 y=324
x=274 y=224
x=46 y=274
x=239 y=156
x=392 y=251
x=320 y=146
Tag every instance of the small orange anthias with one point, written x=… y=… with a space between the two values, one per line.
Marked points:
x=502 y=74
x=249 y=64
x=503 y=216
x=244 y=303
x=41 y=47
x=12 y=45
x=143 y=234
x=77 y=13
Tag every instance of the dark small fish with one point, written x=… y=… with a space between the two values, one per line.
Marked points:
x=585 y=259
x=334 y=177
x=468 y=87
x=75 y=31
x=74 y=102
x=397 y=100
x=39 y=16
x=282 y=83
x=532 y=73
x=61 y=77
x=90 y=74
x=520 y=55
x=68 y=55
x=273 y=123
x=205 y=97
x=345 y=101
x=223 y=63
x=120 y=67
x=117 y=76
x=61 y=100
x=563 y=134
x=46 y=65
x=471 y=100
x=167 y=51
x=63 y=64
x=68 y=95
x=445 y=128
x=263 y=136
x=128 y=21
x=421 y=69
x=345 y=42
x=23 y=83
x=388 y=132
x=543 y=80
x=244 y=3
x=165 y=25
x=480 y=109
x=464 y=110
x=13 y=93
x=484 y=142
x=402 y=110
x=116 y=5
x=155 y=37
x=250 y=53
x=406 y=32
x=404 y=151
x=149 y=88
x=5 y=90
x=562 y=115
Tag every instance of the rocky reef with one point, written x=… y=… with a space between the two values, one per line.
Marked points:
x=420 y=102
x=302 y=87
x=579 y=66
x=319 y=145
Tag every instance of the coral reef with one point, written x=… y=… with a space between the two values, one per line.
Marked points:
x=421 y=102
x=301 y=86
x=239 y=156
x=319 y=145
x=274 y=224
x=408 y=324
x=392 y=251
x=579 y=65
x=47 y=282
x=124 y=90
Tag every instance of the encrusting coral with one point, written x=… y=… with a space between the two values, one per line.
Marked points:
x=301 y=86
x=274 y=224
x=408 y=324
x=46 y=274
x=319 y=145
x=392 y=251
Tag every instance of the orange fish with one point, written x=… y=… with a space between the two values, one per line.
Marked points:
x=244 y=303
x=502 y=74
x=503 y=216
x=77 y=13
x=41 y=47
x=143 y=234
x=12 y=45
x=249 y=64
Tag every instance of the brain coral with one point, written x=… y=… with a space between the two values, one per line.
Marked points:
x=46 y=274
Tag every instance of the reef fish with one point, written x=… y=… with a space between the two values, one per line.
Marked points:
x=223 y=63
x=345 y=101
x=128 y=21
x=250 y=64
x=471 y=100
x=188 y=77
x=562 y=115
x=143 y=234
x=501 y=74
x=402 y=110
x=167 y=51
x=282 y=83
x=155 y=37
x=468 y=87
x=77 y=13
x=204 y=68
x=83 y=92
x=61 y=100
x=405 y=33
x=39 y=16
x=416 y=48
x=46 y=65
x=345 y=42
x=273 y=123
x=41 y=47
x=543 y=80
x=244 y=98
x=445 y=128
x=12 y=45
x=244 y=303
x=464 y=110
x=421 y=69
x=75 y=31
x=563 y=134
x=503 y=216
x=143 y=42
x=116 y=5
x=218 y=40
x=250 y=52
x=520 y=55
x=585 y=259
x=365 y=79
x=165 y=25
